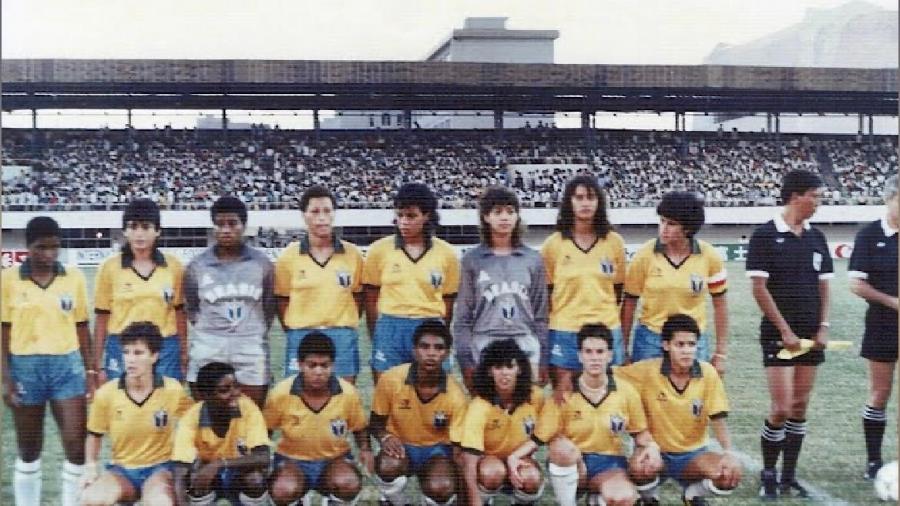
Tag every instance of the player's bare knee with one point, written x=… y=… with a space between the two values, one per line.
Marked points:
x=156 y=498
x=343 y=481
x=620 y=493
x=532 y=478
x=563 y=452
x=390 y=468
x=491 y=472
x=287 y=487
x=439 y=479
x=253 y=483
x=96 y=496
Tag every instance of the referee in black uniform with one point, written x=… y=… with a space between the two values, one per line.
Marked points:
x=873 y=276
x=789 y=265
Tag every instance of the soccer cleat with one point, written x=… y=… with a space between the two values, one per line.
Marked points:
x=792 y=489
x=768 y=490
x=697 y=501
x=872 y=469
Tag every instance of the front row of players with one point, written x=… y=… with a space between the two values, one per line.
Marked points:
x=424 y=425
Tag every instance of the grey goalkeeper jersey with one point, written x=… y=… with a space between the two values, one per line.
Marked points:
x=230 y=304
x=500 y=296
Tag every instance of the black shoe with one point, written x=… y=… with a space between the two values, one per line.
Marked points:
x=697 y=501
x=872 y=469
x=792 y=489
x=653 y=501
x=768 y=490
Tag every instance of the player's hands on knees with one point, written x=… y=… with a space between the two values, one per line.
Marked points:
x=648 y=461
x=513 y=463
x=729 y=471
x=10 y=393
x=392 y=445
x=790 y=340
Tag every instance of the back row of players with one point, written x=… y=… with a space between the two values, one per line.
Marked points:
x=502 y=292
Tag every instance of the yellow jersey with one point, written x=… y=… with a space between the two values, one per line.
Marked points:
x=314 y=435
x=491 y=430
x=412 y=288
x=195 y=438
x=129 y=297
x=666 y=289
x=42 y=319
x=584 y=281
x=142 y=434
x=678 y=420
x=414 y=420
x=319 y=295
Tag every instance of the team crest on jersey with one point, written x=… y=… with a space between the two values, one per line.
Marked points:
x=168 y=294
x=606 y=267
x=436 y=278
x=696 y=407
x=241 y=446
x=66 y=303
x=439 y=420
x=508 y=310
x=395 y=268
x=234 y=311
x=161 y=418
x=616 y=424
x=339 y=427
x=696 y=283
x=344 y=279
x=661 y=397
x=528 y=426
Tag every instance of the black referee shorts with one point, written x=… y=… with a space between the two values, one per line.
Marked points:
x=771 y=347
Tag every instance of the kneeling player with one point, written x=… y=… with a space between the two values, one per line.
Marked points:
x=412 y=411
x=584 y=432
x=498 y=422
x=138 y=411
x=221 y=444
x=682 y=397
x=316 y=412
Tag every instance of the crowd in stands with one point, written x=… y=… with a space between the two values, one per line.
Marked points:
x=269 y=169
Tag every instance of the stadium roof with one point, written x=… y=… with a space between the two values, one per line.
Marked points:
x=378 y=85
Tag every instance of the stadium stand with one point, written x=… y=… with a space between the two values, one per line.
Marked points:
x=269 y=168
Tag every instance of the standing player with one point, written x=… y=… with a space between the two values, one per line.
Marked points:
x=585 y=262
x=318 y=285
x=673 y=274
x=140 y=283
x=682 y=397
x=789 y=265
x=499 y=422
x=229 y=301
x=46 y=350
x=409 y=277
x=585 y=431
x=221 y=444
x=316 y=412
x=413 y=409
x=138 y=412
x=503 y=289
x=873 y=276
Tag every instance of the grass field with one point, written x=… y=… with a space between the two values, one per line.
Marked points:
x=833 y=456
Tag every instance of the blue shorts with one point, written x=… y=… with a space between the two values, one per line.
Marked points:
x=564 y=349
x=346 y=347
x=597 y=463
x=42 y=378
x=312 y=469
x=648 y=344
x=676 y=462
x=169 y=363
x=138 y=475
x=392 y=343
x=419 y=455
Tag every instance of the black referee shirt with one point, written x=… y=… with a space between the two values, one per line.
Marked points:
x=792 y=267
x=874 y=260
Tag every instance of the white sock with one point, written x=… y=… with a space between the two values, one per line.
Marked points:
x=392 y=490
x=565 y=483
x=596 y=500
x=697 y=489
x=647 y=491
x=71 y=489
x=246 y=500
x=206 y=500
x=27 y=483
